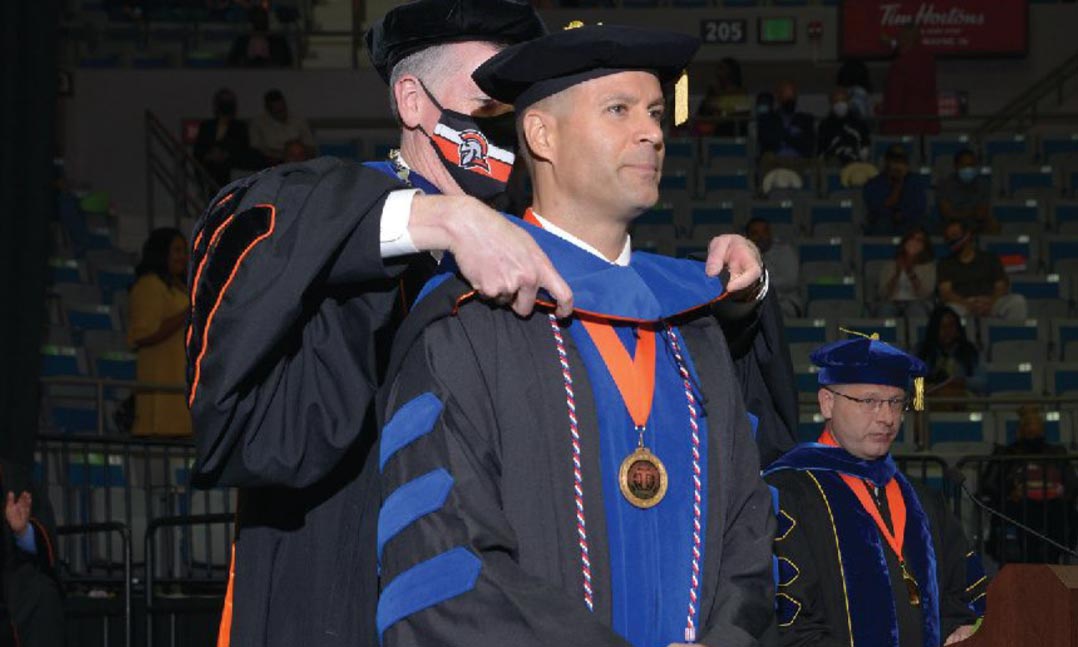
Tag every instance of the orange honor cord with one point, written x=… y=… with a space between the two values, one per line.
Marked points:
x=897 y=506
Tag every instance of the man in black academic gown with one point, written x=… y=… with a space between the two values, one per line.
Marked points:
x=298 y=278
x=865 y=557
x=589 y=480
x=31 y=607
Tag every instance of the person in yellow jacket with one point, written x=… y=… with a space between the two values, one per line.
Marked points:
x=157 y=319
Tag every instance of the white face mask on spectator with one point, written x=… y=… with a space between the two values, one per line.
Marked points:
x=840 y=108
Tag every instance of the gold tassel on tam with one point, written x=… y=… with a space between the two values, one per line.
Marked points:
x=918 y=394
x=681 y=99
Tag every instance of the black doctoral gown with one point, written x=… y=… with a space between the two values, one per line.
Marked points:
x=289 y=334
x=32 y=608
x=292 y=317
x=839 y=582
x=480 y=537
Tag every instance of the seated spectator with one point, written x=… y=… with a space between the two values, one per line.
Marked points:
x=1039 y=493
x=272 y=130
x=782 y=265
x=725 y=98
x=786 y=137
x=906 y=287
x=31 y=603
x=895 y=200
x=954 y=364
x=222 y=144
x=260 y=48
x=158 y=317
x=853 y=77
x=972 y=281
x=843 y=136
x=966 y=195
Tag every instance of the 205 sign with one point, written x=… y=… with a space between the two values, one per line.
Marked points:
x=724 y=32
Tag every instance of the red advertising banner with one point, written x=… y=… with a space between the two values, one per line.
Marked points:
x=948 y=27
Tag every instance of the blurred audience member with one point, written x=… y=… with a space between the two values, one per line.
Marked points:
x=907 y=286
x=222 y=144
x=785 y=136
x=260 y=48
x=726 y=97
x=966 y=195
x=911 y=88
x=31 y=604
x=272 y=130
x=843 y=135
x=296 y=151
x=954 y=364
x=972 y=281
x=158 y=316
x=782 y=265
x=895 y=200
x=853 y=76
x=1039 y=493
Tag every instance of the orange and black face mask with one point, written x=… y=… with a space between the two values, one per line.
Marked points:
x=478 y=152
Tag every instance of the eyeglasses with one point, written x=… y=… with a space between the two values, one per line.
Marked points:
x=896 y=405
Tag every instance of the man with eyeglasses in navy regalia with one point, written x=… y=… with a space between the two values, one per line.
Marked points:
x=865 y=557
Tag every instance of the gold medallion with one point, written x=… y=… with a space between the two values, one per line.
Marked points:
x=642 y=478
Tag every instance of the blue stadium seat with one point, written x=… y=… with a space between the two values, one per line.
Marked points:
x=1040 y=179
x=1064 y=336
x=116 y=366
x=946 y=146
x=807 y=331
x=1062 y=378
x=1065 y=216
x=1052 y=145
x=809 y=425
x=660 y=214
x=724 y=213
x=1014 y=342
x=680 y=152
x=734 y=149
x=832 y=218
x=67 y=270
x=954 y=427
x=834 y=298
x=782 y=212
x=1020 y=378
x=805 y=377
x=91 y=317
x=97 y=470
x=876 y=248
x=736 y=180
x=72 y=417
x=1007 y=427
x=814 y=250
x=114 y=279
x=1051 y=286
x=674 y=181
x=1013 y=146
x=1071 y=180
x=65 y=361
x=832 y=181
x=1019 y=216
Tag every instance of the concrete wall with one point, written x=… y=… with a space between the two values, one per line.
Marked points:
x=103 y=120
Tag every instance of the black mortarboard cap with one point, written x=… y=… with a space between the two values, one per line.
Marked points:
x=533 y=70
x=413 y=26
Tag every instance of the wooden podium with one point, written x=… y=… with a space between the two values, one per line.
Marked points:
x=1030 y=605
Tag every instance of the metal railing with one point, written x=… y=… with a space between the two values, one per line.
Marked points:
x=172 y=168
x=97 y=389
x=1039 y=491
x=125 y=582
x=1026 y=105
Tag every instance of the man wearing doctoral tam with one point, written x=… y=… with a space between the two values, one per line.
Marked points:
x=865 y=557
x=587 y=480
